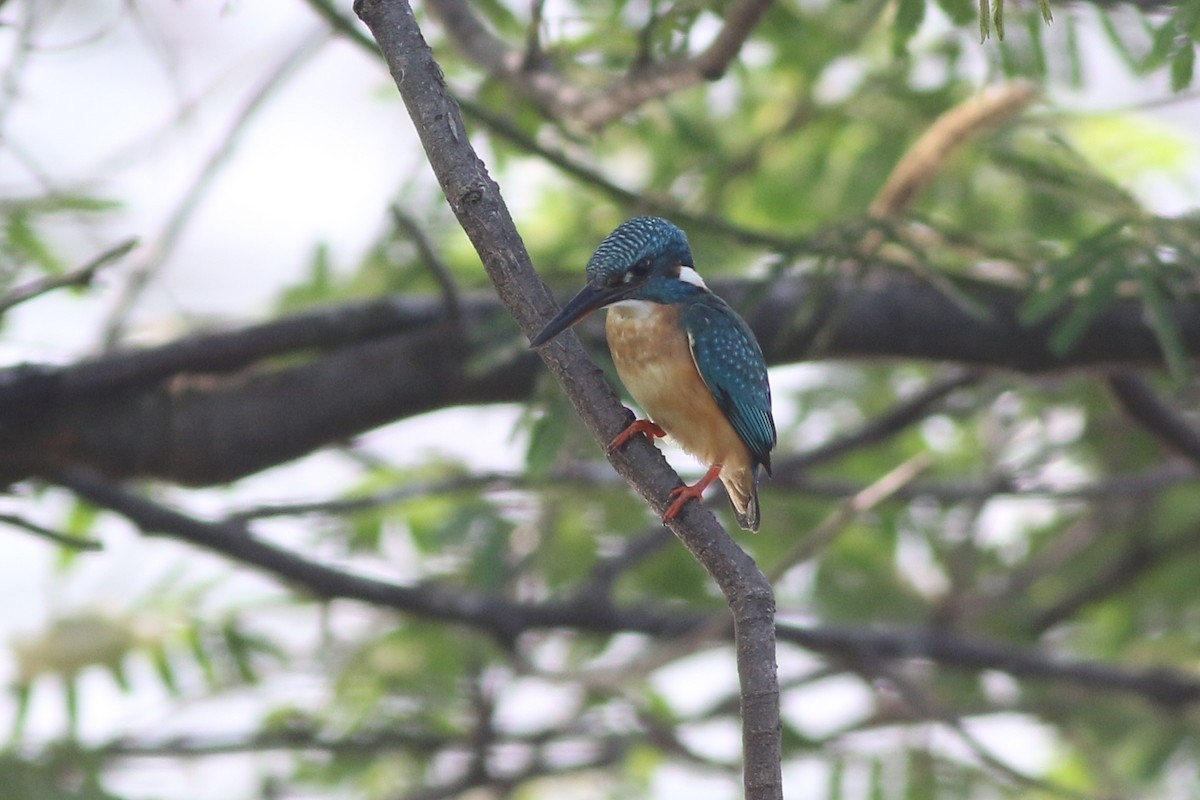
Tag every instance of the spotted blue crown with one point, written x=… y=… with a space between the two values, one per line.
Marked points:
x=649 y=239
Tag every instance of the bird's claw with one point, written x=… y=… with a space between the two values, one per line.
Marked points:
x=645 y=426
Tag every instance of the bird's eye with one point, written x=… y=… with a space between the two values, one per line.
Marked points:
x=638 y=271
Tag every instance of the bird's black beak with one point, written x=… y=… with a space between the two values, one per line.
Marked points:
x=593 y=296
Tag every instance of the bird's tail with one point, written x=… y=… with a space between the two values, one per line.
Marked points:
x=742 y=487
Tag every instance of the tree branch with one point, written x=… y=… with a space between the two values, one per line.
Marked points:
x=1165 y=423
x=83 y=276
x=564 y=100
x=591 y=611
x=163 y=411
x=66 y=540
x=490 y=613
x=159 y=250
x=1168 y=688
x=476 y=201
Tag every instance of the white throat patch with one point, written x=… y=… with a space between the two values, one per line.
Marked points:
x=633 y=308
x=689 y=275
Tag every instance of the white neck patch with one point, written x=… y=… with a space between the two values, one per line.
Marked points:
x=633 y=308
x=689 y=275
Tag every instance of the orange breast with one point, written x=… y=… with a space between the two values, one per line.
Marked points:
x=653 y=358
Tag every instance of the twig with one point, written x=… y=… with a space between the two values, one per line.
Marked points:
x=10 y=81
x=161 y=248
x=1150 y=481
x=928 y=707
x=819 y=537
x=563 y=99
x=1165 y=423
x=1138 y=559
x=83 y=276
x=66 y=540
x=352 y=505
x=805 y=548
x=594 y=178
x=432 y=261
x=1168 y=688
x=900 y=416
x=414 y=741
x=925 y=158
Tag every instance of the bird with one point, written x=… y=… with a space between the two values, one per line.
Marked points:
x=686 y=357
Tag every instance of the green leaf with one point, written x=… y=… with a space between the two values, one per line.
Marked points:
x=366 y=531
x=24 y=693
x=878 y=784
x=960 y=12
x=199 y=648
x=27 y=244
x=1064 y=279
x=80 y=521
x=1165 y=326
x=238 y=647
x=161 y=660
x=985 y=20
x=837 y=778
x=117 y=670
x=1037 y=47
x=921 y=775
x=909 y=16
x=546 y=436
x=491 y=554
x=318 y=285
x=998 y=18
x=1074 y=56
x=1160 y=49
x=1099 y=294
x=1182 y=67
x=71 y=696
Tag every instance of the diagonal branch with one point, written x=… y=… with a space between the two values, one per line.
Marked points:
x=902 y=415
x=1139 y=400
x=563 y=99
x=591 y=611
x=64 y=539
x=159 y=250
x=494 y=614
x=476 y=201
x=81 y=277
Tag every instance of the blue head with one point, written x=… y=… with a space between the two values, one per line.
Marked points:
x=645 y=258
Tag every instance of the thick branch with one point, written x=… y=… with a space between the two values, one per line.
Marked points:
x=1168 y=688
x=163 y=412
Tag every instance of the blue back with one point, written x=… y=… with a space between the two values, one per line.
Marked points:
x=732 y=365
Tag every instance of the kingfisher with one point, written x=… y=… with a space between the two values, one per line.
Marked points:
x=685 y=356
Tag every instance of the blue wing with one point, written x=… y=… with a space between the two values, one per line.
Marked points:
x=732 y=365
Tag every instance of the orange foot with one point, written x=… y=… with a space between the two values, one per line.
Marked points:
x=682 y=494
x=637 y=426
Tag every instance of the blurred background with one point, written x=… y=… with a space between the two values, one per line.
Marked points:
x=1014 y=617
